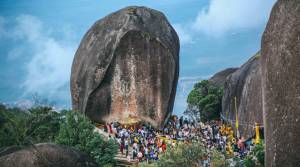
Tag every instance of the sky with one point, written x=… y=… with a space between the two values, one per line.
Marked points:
x=38 y=40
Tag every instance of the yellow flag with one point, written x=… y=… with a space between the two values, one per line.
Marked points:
x=236 y=118
x=257 y=134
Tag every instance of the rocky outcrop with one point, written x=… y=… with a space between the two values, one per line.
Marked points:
x=281 y=84
x=219 y=78
x=126 y=68
x=245 y=85
x=44 y=155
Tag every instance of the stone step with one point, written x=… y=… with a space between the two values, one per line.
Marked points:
x=124 y=162
x=120 y=158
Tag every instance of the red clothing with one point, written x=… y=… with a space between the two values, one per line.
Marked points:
x=121 y=148
x=110 y=128
x=241 y=145
x=164 y=147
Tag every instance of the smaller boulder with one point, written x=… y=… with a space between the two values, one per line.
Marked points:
x=44 y=155
x=219 y=78
x=244 y=85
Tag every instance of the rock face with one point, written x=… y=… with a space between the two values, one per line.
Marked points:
x=219 y=78
x=126 y=68
x=281 y=84
x=44 y=155
x=245 y=85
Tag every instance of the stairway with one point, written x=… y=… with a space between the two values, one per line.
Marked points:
x=121 y=159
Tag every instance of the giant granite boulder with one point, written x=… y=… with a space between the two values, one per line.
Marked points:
x=126 y=68
x=244 y=85
x=219 y=78
x=44 y=155
x=281 y=84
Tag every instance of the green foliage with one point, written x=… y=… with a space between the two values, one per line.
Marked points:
x=78 y=132
x=42 y=125
x=188 y=155
x=102 y=151
x=18 y=127
x=144 y=164
x=254 y=159
x=257 y=156
x=259 y=153
x=218 y=159
x=249 y=162
x=12 y=126
x=183 y=155
x=205 y=99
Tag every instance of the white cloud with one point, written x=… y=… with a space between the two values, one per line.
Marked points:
x=222 y=16
x=185 y=85
x=49 y=64
x=191 y=79
x=183 y=34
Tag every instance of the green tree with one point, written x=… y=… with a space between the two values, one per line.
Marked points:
x=75 y=131
x=78 y=132
x=12 y=126
x=43 y=125
x=102 y=151
x=205 y=100
x=19 y=127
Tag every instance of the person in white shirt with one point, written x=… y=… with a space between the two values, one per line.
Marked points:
x=128 y=158
x=134 y=145
x=140 y=156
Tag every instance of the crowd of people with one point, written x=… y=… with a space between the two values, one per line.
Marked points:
x=221 y=137
x=144 y=143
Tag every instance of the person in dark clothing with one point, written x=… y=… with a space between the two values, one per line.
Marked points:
x=181 y=121
x=122 y=145
x=186 y=121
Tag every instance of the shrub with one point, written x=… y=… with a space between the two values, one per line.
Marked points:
x=102 y=151
x=184 y=155
x=259 y=152
x=42 y=125
x=78 y=132
x=254 y=159
x=218 y=159
x=75 y=131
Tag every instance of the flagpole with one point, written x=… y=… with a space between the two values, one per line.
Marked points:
x=236 y=119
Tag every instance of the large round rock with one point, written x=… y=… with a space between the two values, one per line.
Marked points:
x=219 y=78
x=244 y=85
x=126 y=68
x=281 y=84
x=44 y=155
